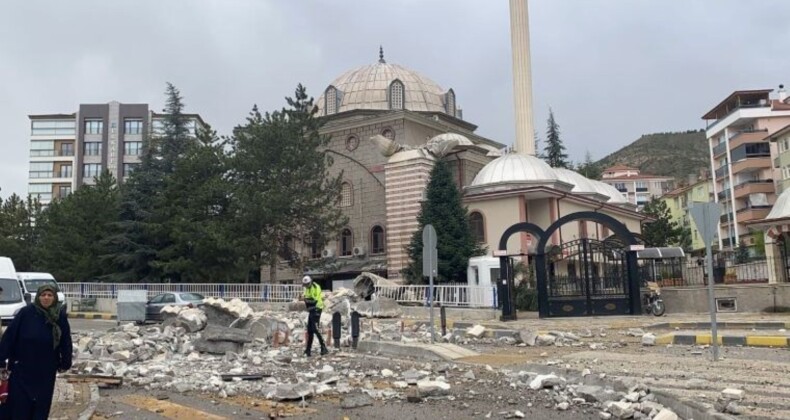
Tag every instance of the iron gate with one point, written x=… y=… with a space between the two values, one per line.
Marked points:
x=587 y=277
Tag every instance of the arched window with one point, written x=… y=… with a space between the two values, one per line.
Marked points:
x=477 y=226
x=330 y=98
x=377 y=240
x=314 y=245
x=396 y=94
x=346 y=243
x=450 y=102
x=346 y=195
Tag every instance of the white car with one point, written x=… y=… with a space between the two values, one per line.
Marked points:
x=11 y=296
x=30 y=282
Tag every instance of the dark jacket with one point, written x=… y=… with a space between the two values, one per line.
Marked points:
x=27 y=344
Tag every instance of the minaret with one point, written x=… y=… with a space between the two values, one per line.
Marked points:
x=522 y=77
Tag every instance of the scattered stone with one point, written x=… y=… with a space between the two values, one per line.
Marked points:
x=380 y=307
x=666 y=414
x=412 y=376
x=635 y=332
x=528 y=337
x=732 y=394
x=432 y=388
x=649 y=339
x=476 y=332
x=590 y=393
x=546 y=339
x=469 y=375
x=386 y=373
x=356 y=401
x=621 y=410
x=563 y=406
x=545 y=381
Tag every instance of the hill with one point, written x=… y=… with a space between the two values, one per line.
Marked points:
x=667 y=154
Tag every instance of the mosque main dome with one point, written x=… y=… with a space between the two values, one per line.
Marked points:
x=385 y=86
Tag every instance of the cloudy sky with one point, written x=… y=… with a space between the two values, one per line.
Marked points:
x=611 y=69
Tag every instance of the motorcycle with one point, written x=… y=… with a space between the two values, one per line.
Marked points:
x=651 y=300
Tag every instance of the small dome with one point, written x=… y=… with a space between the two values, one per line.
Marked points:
x=462 y=140
x=581 y=185
x=781 y=208
x=614 y=195
x=515 y=168
x=367 y=87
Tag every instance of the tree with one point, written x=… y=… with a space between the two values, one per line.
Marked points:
x=554 y=151
x=589 y=168
x=143 y=229
x=663 y=231
x=741 y=253
x=73 y=229
x=282 y=189
x=454 y=240
x=18 y=231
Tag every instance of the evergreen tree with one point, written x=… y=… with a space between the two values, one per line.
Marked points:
x=455 y=243
x=143 y=229
x=18 y=231
x=282 y=189
x=663 y=231
x=72 y=230
x=554 y=151
x=741 y=253
x=589 y=168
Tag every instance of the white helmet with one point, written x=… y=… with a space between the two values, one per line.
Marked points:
x=306 y=280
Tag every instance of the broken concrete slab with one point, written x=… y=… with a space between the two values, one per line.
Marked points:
x=217 y=333
x=218 y=347
x=476 y=331
x=380 y=307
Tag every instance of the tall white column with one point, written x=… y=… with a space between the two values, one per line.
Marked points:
x=522 y=77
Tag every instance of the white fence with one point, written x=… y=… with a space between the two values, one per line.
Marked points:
x=445 y=295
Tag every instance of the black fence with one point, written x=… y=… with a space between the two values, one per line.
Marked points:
x=682 y=272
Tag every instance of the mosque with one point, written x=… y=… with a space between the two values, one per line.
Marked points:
x=388 y=125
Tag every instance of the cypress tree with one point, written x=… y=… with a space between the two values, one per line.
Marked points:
x=554 y=151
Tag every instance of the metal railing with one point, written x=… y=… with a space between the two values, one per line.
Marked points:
x=681 y=273
x=444 y=295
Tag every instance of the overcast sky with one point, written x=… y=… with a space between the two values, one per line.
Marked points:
x=611 y=69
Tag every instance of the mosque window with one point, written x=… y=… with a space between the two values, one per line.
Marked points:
x=377 y=240
x=477 y=226
x=331 y=100
x=396 y=95
x=346 y=243
x=346 y=195
x=352 y=142
x=450 y=102
x=388 y=133
x=314 y=244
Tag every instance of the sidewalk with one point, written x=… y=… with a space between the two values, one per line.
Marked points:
x=92 y=315
x=73 y=401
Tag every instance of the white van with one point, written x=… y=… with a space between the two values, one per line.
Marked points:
x=30 y=282
x=11 y=296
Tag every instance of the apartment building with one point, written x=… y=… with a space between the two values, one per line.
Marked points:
x=739 y=130
x=70 y=150
x=637 y=188
x=679 y=200
x=782 y=159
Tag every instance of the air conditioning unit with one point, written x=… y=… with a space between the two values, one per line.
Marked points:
x=359 y=251
x=327 y=253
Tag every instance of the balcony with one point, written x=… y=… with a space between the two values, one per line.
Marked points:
x=50 y=153
x=722 y=171
x=723 y=194
x=641 y=189
x=725 y=218
x=748 y=214
x=720 y=149
x=750 y=164
x=776 y=163
x=744 y=137
x=757 y=186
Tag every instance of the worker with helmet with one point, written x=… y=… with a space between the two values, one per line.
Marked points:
x=315 y=304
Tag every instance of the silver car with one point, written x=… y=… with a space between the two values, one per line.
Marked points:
x=154 y=306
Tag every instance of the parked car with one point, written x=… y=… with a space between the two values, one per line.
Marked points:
x=30 y=282
x=154 y=306
x=11 y=296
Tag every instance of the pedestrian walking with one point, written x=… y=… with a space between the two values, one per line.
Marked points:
x=315 y=304
x=35 y=347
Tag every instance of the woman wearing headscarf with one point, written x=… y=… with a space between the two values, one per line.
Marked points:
x=37 y=345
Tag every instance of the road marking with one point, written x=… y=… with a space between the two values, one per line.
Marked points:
x=168 y=409
x=766 y=341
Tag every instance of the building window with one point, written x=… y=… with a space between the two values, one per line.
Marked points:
x=396 y=94
x=352 y=142
x=346 y=243
x=377 y=240
x=388 y=133
x=52 y=128
x=128 y=168
x=133 y=126
x=67 y=149
x=63 y=191
x=620 y=186
x=94 y=126
x=40 y=170
x=641 y=184
x=450 y=102
x=66 y=171
x=477 y=226
x=346 y=195
x=331 y=100
x=91 y=148
x=132 y=148
x=40 y=191
x=315 y=245
x=90 y=170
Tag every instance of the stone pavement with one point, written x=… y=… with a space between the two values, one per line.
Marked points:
x=71 y=401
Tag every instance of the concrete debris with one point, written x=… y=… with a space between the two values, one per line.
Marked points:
x=732 y=394
x=477 y=331
x=649 y=339
x=621 y=410
x=528 y=337
x=433 y=388
x=380 y=307
x=665 y=414
x=635 y=332
x=546 y=339
x=545 y=381
x=356 y=401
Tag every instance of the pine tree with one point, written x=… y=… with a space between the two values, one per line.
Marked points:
x=18 y=231
x=282 y=189
x=72 y=230
x=554 y=151
x=455 y=243
x=663 y=231
x=589 y=168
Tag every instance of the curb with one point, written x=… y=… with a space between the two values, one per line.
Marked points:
x=92 y=315
x=765 y=325
x=725 y=340
x=92 y=405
